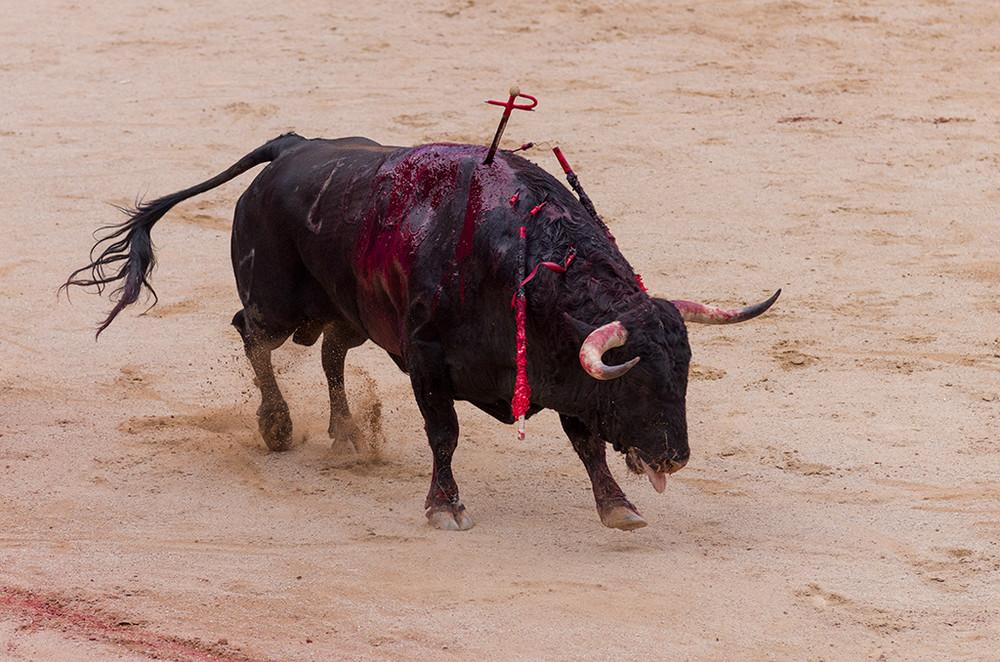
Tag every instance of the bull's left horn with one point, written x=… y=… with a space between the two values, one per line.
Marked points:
x=611 y=335
x=702 y=314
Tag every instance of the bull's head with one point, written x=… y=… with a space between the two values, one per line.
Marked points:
x=646 y=418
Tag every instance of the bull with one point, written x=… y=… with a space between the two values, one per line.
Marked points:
x=417 y=249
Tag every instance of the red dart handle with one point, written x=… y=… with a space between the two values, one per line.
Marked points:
x=562 y=161
x=509 y=104
x=508 y=107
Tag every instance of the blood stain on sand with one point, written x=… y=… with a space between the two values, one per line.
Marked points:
x=54 y=613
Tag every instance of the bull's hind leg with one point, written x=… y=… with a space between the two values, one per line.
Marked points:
x=432 y=388
x=338 y=338
x=273 y=418
x=615 y=510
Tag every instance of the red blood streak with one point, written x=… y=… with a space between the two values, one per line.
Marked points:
x=473 y=207
x=407 y=196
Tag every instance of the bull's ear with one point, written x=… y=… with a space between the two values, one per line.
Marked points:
x=579 y=330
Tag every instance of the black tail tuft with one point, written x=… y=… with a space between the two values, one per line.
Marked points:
x=124 y=255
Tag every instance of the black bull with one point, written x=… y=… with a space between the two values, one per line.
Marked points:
x=417 y=249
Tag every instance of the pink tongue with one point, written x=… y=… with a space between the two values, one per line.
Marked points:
x=657 y=480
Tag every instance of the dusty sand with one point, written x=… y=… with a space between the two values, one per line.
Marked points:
x=843 y=497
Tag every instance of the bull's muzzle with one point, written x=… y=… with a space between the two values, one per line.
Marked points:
x=658 y=470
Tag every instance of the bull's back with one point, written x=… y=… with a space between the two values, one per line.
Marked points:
x=290 y=187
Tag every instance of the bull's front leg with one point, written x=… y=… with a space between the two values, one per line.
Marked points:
x=614 y=508
x=432 y=388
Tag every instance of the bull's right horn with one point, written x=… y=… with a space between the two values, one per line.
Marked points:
x=702 y=314
x=611 y=335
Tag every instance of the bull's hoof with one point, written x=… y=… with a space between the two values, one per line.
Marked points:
x=345 y=432
x=621 y=517
x=449 y=518
x=275 y=426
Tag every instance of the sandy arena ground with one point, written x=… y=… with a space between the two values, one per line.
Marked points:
x=843 y=497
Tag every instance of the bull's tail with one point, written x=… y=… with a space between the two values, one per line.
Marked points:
x=128 y=244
